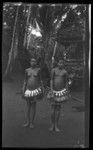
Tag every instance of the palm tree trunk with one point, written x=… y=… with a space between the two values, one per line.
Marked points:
x=8 y=68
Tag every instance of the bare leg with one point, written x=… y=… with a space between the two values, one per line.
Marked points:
x=57 y=115
x=52 y=118
x=33 y=113
x=28 y=113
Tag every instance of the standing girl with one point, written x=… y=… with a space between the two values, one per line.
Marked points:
x=32 y=90
x=58 y=93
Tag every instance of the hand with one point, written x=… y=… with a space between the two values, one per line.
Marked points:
x=23 y=91
x=43 y=89
x=51 y=89
x=69 y=82
x=23 y=96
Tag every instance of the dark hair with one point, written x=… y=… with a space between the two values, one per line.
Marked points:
x=61 y=61
x=32 y=59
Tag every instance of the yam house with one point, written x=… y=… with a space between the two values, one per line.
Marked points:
x=72 y=44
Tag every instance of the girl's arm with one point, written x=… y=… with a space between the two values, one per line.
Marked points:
x=41 y=82
x=51 y=81
x=66 y=80
x=40 y=77
x=25 y=83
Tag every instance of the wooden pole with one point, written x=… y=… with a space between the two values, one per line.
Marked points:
x=89 y=42
x=54 y=53
x=25 y=37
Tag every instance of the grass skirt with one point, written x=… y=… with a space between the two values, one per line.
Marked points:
x=34 y=95
x=58 y=97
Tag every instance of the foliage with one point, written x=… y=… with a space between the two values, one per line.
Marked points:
x=50 y=18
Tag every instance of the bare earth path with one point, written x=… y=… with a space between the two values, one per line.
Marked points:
x=14 y=135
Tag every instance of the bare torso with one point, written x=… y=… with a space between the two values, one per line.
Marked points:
x=59 y=79
x=33 y=78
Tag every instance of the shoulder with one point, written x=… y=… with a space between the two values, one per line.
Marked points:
x=27 y=70
x=38 y=69
x=64 y=71
x=54 y=69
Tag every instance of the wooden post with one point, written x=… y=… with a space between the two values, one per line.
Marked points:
x=86 y=75
x=25 y=37
x=54 y=53
x=84 y=41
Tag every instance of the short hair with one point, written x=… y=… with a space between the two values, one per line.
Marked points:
x=61 y=61
x=32 y=59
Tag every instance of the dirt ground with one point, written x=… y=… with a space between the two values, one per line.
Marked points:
x=14 y=135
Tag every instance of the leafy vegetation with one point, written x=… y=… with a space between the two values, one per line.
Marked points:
x=50 y=20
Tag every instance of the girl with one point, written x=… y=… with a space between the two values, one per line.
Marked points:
x=32 y=90
x=58 y=93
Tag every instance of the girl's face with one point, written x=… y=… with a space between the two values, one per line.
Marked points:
x=33 y=62
x=60 y=64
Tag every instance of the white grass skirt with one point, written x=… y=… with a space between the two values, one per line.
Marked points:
x=58 y=96
x=34 y=95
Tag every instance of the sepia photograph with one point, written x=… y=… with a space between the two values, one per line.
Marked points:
x=46 y=49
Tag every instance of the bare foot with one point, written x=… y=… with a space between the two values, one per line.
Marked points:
x=26 y=124
x=31 y=125
x=57 y=130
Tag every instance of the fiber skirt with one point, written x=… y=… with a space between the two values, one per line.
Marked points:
x=34 y=95
x=58 y=97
